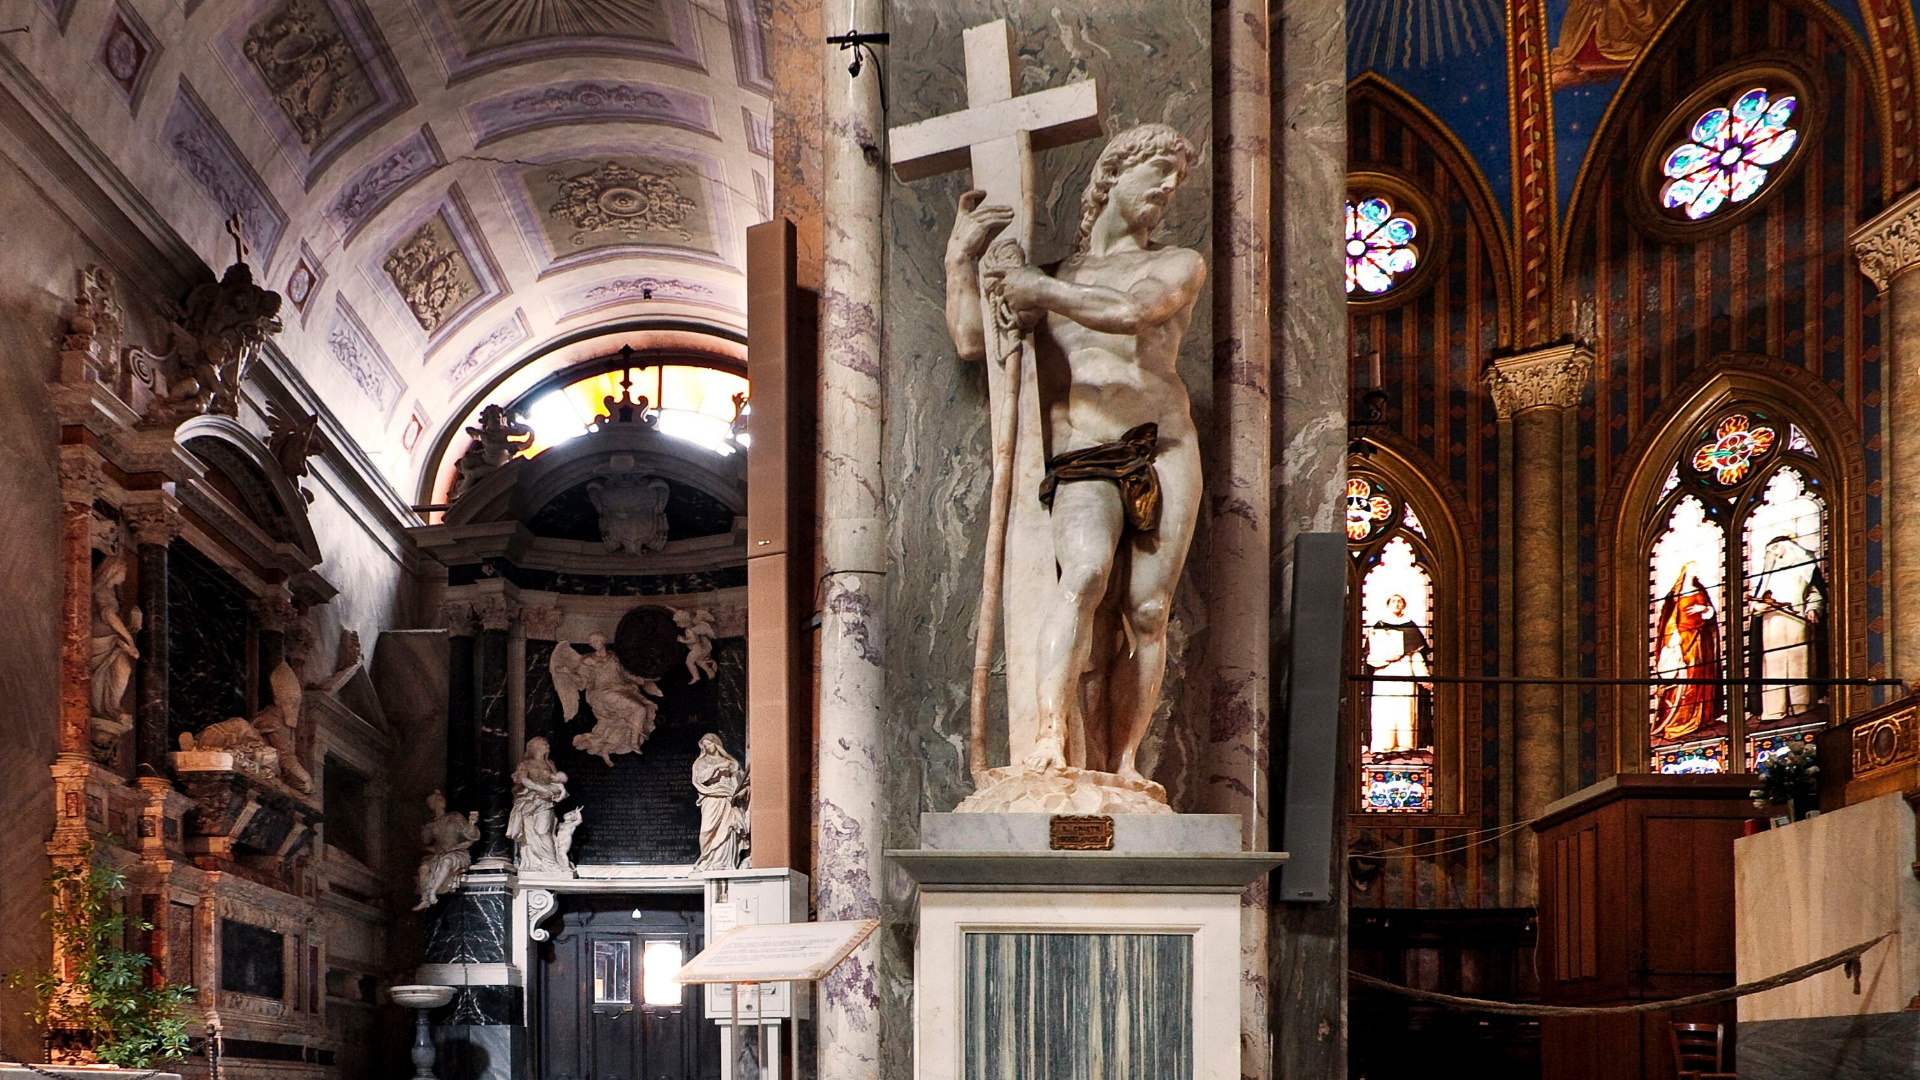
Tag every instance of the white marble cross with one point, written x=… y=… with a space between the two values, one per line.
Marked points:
x=998 y=131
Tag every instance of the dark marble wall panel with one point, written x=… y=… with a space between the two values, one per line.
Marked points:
x=206 y=642
x=469 y=927
x=642 y=809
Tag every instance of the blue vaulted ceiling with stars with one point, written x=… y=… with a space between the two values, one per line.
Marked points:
x=1455 y=59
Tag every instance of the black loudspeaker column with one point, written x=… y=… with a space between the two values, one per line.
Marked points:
x=1314 y=673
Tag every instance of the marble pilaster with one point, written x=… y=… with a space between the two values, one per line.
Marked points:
x=154 y=526
x=80 y=485
x=462 y=789
x=1309 y=319
x=1887 y=248
x=493 y=745
x=853 y=535
x=1239 y=507
x=1533 y=391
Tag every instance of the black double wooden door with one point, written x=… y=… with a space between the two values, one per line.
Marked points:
x=607 y=1008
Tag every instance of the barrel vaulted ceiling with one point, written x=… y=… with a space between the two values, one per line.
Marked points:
x=438 y=188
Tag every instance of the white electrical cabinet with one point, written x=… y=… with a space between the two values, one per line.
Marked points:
x=747 y=898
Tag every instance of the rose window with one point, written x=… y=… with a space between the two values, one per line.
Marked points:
x=1729 y=453
x=1368 y=508
x=1727 y=154
x=1380 y=246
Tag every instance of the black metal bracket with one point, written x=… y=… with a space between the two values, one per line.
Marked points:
x=858 y=42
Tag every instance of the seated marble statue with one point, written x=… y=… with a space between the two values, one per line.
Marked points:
x=1122 y=481
x=446 y=837
x=624 y=704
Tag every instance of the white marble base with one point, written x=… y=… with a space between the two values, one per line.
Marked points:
x=1019 y=789
x=1162 y=883
x=1132 y=833
x=941 y=994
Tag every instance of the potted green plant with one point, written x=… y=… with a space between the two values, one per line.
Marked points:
x=1791 y=779
x=97 y=1001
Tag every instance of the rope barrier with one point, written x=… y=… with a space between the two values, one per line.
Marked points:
x=1847 y=958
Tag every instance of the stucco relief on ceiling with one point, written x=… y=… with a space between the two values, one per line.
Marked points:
x=477 y=34
x=324 y=70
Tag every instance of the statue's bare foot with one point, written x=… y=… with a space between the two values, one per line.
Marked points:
x=1128 y=771
x=423 y=905
x=608 y=759
x=1047 y=754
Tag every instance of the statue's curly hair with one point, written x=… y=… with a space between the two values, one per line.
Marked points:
x=1127 y=149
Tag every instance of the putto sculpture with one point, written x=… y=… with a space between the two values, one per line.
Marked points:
x=696 y=633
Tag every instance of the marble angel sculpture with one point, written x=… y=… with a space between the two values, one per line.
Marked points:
x=624 y=704
x=267 y=744
x=721 y=785
x=113 y=651
x=696 y=633
x=446 y=838
x=543 y=839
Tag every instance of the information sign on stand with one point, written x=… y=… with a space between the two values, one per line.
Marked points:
x=747 y=956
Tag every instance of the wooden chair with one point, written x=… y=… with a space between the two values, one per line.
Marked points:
x=1699 y=1051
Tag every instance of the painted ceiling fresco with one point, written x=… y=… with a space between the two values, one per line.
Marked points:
x=437 y=187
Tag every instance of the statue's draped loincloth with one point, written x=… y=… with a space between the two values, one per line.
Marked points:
x=1128 y=462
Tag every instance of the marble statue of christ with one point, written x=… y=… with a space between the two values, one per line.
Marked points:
x=1123 y=462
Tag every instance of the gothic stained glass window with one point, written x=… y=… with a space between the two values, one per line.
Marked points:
x=1688 y=599
x=1380 y=247
x=1726 y=155
x=1737 y=595
x=1396 y=616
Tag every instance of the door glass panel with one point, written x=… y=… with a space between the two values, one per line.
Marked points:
x=613 y=972
x=659 y=963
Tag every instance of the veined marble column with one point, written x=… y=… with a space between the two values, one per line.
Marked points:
x=1534 y=390
x=80 y=484
x=1239 y=507
x=493 y=758
x=1309 y=327
x=853 y=545
x=154 y=527
x=462 y=791
x=1887 y=248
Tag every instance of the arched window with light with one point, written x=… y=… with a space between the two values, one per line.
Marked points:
x=1404 y=631
x=1739 y=595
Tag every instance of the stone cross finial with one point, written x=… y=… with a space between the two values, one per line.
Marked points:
x=236 y=228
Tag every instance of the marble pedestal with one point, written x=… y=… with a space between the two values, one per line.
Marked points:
x=1123 y=963
x=1806 y=891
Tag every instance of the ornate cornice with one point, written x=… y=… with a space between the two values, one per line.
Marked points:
x=274 y=612
x=1551 y=377
x=1889 y=245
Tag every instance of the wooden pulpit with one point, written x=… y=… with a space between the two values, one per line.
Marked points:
x=1636 y=904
